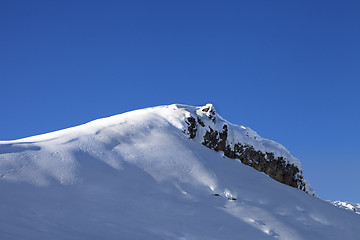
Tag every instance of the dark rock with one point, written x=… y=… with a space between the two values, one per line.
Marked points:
x=192 y=127
x=201 y=122
x=276 y=167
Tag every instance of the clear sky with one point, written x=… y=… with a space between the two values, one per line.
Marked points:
x=290 y=70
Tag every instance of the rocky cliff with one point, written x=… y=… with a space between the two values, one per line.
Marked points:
x=215 y=133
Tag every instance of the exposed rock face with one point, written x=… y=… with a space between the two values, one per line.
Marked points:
x=276 y=167
x=192 y=128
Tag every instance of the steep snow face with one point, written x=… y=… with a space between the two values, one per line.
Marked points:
x=136 y=176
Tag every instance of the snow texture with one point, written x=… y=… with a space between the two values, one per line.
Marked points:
x=137 y=176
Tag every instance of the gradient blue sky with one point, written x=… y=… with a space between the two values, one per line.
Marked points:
x=290 y=70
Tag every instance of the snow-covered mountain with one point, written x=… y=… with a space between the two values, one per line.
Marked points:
x=169 y=172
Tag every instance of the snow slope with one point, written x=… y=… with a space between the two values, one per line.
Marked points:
x=138 y=176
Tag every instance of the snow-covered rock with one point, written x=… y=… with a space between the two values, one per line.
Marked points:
x=355 y=207
x=144 y=175
x=206 y=126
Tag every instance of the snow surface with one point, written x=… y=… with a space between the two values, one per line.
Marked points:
x=137 y=176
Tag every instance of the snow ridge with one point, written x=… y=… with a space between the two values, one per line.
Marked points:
x=177 y=115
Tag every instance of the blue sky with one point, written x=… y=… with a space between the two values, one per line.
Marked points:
x=290 y=70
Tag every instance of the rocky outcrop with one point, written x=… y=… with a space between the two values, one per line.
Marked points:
x=355 y=207
x=277 y=168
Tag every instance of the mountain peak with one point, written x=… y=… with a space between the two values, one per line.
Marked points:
x=203 y=125
x=168 y=172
